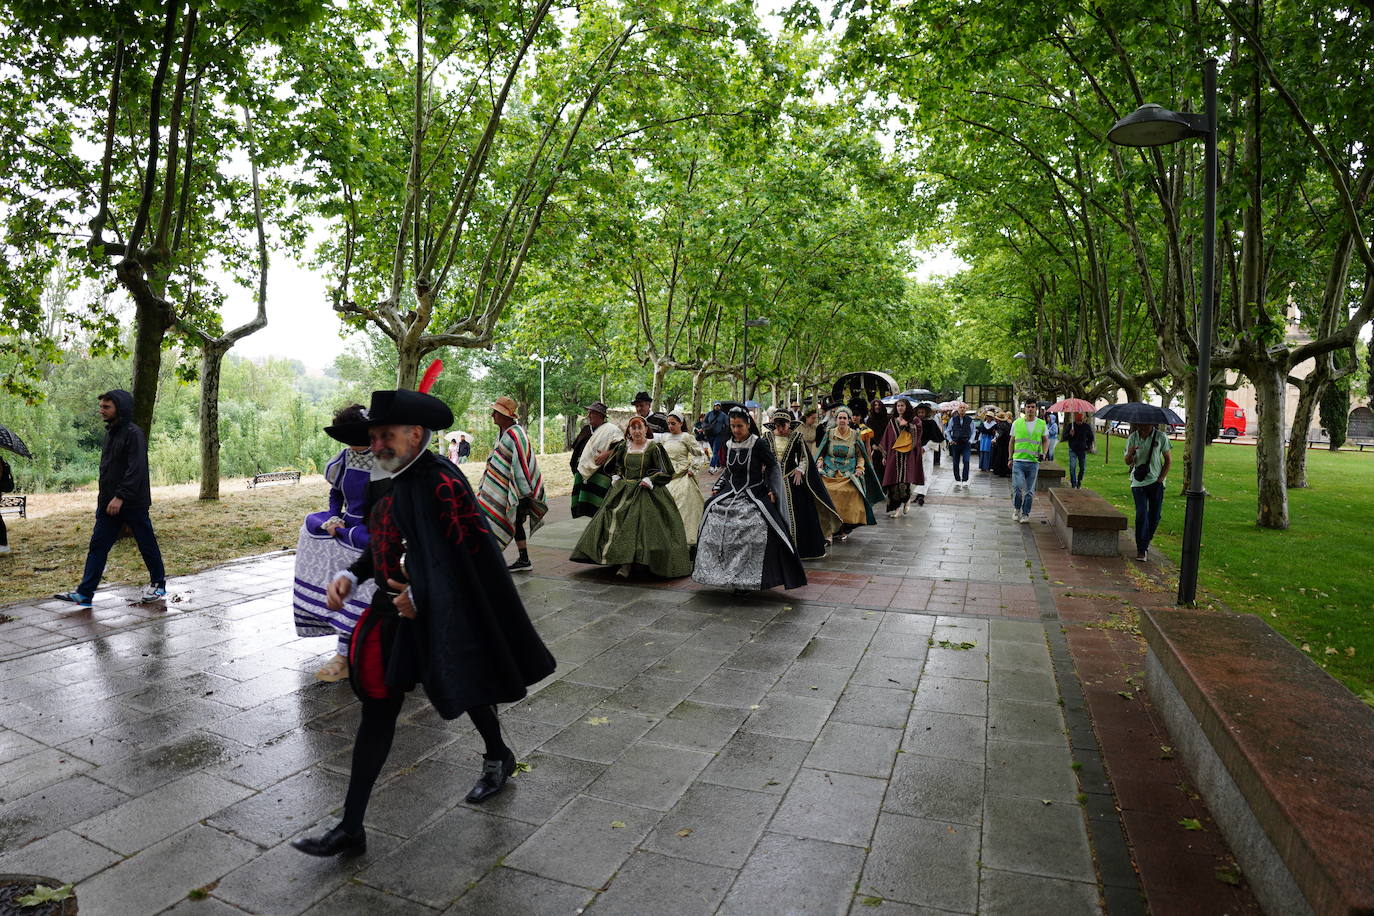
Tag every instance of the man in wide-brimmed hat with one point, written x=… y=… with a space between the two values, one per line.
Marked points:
x=644 y=407
x=446 y=613
x=512 y=491
x=590 y=483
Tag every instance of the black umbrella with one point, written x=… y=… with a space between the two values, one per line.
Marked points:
x=12 y=442
x=1135 y=412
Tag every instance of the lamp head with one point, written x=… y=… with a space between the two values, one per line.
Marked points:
x=1154 y=125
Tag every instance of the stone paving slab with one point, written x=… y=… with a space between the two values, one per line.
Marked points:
x=887 y=739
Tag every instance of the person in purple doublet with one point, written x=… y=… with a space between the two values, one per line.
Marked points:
x=332 y=540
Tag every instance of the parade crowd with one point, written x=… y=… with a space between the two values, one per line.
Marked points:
x=405 y=567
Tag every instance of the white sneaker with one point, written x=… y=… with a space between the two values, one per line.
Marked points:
x=1025 y=519
x=1016 y=515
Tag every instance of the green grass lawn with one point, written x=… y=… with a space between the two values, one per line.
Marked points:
x=1314 y=583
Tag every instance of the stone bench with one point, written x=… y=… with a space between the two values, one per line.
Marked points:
x=273 y=477
x=1087 y=524
x=1051 y=476
x=1281 y=751
x=14 y=505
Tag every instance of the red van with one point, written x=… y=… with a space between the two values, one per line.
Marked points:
x=1232 y=420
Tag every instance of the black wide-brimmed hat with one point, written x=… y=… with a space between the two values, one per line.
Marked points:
x=399 y=407
x=642 y=396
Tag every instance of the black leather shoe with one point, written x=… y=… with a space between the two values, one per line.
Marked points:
x=334 y=843
x=493 y=778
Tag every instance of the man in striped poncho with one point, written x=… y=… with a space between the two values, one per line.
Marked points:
x=512 y=490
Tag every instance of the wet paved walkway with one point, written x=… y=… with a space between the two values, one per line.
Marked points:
x=889 y=740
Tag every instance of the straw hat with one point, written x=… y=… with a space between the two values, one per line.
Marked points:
x=506 y=406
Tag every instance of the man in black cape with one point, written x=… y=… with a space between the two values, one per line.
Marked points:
x=644 y=407
x=446 y=613
x=806 y=506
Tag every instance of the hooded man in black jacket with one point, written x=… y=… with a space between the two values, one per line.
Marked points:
x=124 y=499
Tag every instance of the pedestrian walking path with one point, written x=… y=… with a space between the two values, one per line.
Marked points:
x=891 y=739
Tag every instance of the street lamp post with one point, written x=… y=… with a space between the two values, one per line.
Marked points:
x=542 y=361
x=1151 y=125
x=744 y=373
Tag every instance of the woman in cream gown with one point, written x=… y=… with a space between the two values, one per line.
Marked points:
x=686 y=454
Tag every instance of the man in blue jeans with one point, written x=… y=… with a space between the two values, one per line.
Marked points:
x=124 y=498
x=959 y=432
x=1149 y=454
x=1028 y=442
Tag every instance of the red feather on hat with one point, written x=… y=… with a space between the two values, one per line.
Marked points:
x=431 y=376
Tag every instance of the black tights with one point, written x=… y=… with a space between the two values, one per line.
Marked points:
x=373 y=744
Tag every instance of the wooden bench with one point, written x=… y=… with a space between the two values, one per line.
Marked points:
x=1361 y=443
x=1087 y=524
x=1227 y=436
x=14 y=505
x=273 y=477
x=1050 y=476
x=1282 y=753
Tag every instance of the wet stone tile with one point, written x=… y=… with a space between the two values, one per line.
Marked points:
x=507 y=892
x=474 y=842
x=283 y=882
x=280 y=810
x=813 y=679
x=63 y=855
x=794 y=875
x=281 y=757
x=715 y=825
x=923 y=862
x=161 y=875
x=598 y=741
x=758 y=762
x=784 y=716
x=585 y=843
x=835 y=807
x=936 y=788
x=650 y=884
x=649 y=775
x=144 y=770
x=952 y=695
x=560 y=704
x=53 y=808
x=537 y=794
x=359 y=900
x=734 y=687
x=698 y=726
x=863 y=750
x=151 y=818
x=881 y=706
x=940 y=734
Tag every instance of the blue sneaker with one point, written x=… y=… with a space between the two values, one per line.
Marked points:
x=152 y=593
x=75 y=598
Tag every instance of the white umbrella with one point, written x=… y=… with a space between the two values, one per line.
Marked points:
x=453 y=436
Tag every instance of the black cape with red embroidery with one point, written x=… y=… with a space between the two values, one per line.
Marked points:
x=472 y=644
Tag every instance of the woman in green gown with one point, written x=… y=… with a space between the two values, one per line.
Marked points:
x=638 y=524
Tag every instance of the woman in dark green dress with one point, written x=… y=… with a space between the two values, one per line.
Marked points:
x=638 y=523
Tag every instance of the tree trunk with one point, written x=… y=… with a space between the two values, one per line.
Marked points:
x=408 y=356
x=660 y=372
x=211 y=365
x=1272 y=492
x=698 y=379
x=1190 y=430
x=151 y=321
x=1295 y=462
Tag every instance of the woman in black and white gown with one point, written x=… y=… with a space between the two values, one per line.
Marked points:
x=743 y=542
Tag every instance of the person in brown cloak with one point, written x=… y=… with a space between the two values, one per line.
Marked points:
x=445 y=615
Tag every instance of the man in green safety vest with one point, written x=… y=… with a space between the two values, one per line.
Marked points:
x=1028 y=443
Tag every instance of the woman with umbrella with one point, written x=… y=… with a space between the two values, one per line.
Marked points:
x=1077 y=431
x=1148 y=453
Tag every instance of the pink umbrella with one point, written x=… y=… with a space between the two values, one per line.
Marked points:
x=1072 y=405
